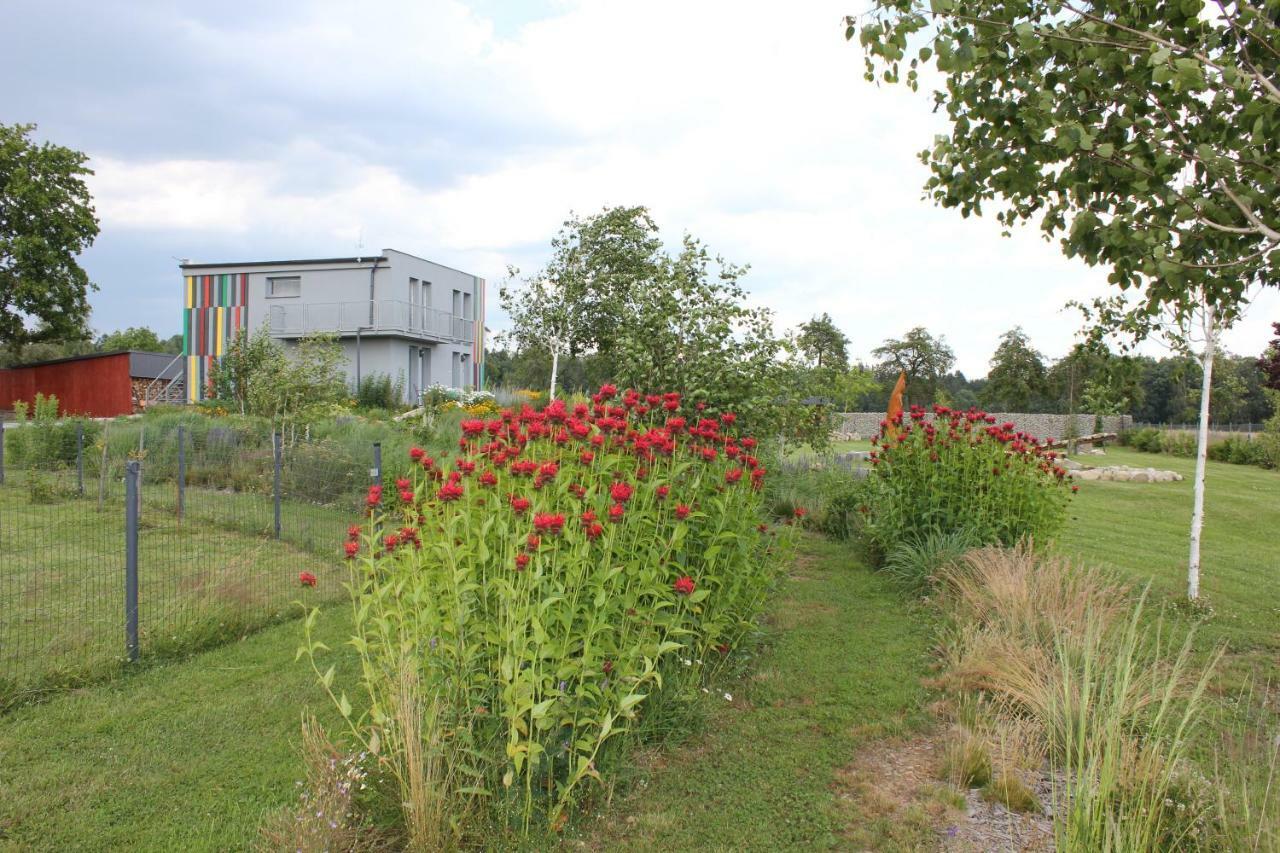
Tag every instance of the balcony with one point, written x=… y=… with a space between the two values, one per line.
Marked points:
x=389 y=316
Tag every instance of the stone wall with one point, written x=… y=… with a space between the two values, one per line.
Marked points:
x=867 y=424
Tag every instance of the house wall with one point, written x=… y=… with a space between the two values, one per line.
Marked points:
x=96 y=387
x=211 y=324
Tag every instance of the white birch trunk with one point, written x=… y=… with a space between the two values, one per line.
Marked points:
x=555 y=363
x=1202 y=447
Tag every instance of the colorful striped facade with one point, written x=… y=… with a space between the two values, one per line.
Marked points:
x=217 y=307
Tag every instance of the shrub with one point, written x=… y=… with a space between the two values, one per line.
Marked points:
x=1146 y=440
x=42 y=440
x=380 y=391
x=1240 y=450
x=962 y=470
x=1177 y=444
x=515 y=607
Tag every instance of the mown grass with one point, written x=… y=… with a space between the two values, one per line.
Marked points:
x=1142 y=529
x=201 y=580
x=843 y=667
x=181 y=756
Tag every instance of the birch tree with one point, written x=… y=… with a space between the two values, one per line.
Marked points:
x=1143 y=136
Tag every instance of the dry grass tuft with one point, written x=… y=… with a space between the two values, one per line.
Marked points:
x=325 y=819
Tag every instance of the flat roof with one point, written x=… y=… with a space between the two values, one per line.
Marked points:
x=290 y=263
x=89 y=355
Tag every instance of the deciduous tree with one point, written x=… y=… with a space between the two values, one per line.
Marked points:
x=46 y=220
x=924 y=358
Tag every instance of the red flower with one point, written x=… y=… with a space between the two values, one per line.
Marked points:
x=684 y=585
x=353 y=532
x=589 y=516
x=728 y=418
x=597 y=440
x=709 y=454
x=1075 y=489
x=416 y=454
x=352 y=548
x=449 y=492
x=522 y=560
x=620 y=492
x=306 y=579
x=608 y=667
x=723 y=648
x=682 y=511
x=403 y=484
x=533 y=541
x=587 y=457
x=608 y=391
x=548 y=522
x=662 y=492
x=406 y=496
x=594 y=529
x=472 y=427
x=519 y=504
x=548 y=469
x=488 y=478
x=748 y=442
x=375 y=496
x=733 y=475
x=801 y=512
x=616 y=511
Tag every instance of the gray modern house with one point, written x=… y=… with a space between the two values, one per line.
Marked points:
x=394 y=313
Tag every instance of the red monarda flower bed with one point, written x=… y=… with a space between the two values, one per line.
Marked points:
x=569 y=562
x=960 y=470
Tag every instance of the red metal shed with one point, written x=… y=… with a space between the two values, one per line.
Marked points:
x=99 y=385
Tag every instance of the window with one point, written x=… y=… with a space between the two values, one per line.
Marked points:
x=426 y=294
x=413 y=373
x=457 y=369
x=466 y=306
x=290 y=285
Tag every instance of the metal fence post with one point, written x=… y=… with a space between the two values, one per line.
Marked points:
x=376 y=473
x=275 y=450
x=80 y=457
x=182 y=470
x=132 y=473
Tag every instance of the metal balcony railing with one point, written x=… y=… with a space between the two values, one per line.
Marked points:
x=387 y=315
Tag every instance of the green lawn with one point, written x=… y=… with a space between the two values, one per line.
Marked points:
x=182 y=756
x=1142 y=529
x=200 y=580
x=845 y=668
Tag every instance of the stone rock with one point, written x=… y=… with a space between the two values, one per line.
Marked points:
x=1125 y=474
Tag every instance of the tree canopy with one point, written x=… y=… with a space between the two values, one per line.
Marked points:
x=46 y=220
x=1146 y=136
x=1017 y=379
x=924 y=358
x=823 y=344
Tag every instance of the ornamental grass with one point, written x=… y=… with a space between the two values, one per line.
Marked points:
x=536 y=590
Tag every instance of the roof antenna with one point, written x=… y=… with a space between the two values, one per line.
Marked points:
x=360 y=245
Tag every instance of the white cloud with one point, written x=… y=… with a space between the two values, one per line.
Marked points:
x=745 y=123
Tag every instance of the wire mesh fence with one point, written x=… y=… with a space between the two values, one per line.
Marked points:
x=225 y=519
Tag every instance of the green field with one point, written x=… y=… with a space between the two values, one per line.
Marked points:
x=1142 y=529
x=206 y=578
x=192 y=754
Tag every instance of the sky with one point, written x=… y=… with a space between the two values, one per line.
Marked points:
x=467 y=133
